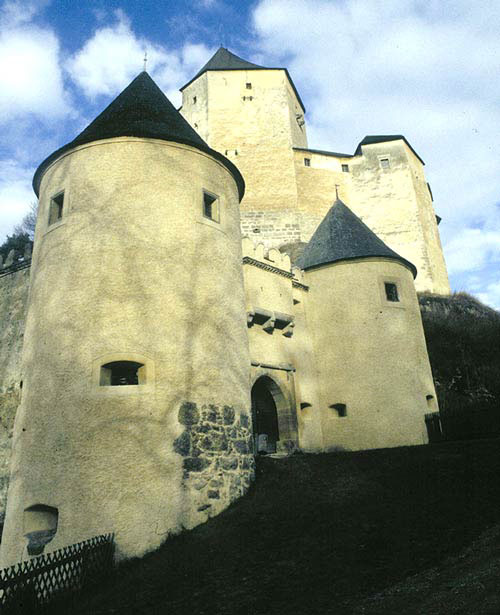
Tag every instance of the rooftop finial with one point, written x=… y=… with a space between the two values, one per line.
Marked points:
x=337 y=191
x=145 y=60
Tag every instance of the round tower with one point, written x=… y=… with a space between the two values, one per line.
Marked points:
x=374 y=377
x=135 y=407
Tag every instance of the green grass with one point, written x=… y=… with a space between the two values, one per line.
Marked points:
x=333 y=533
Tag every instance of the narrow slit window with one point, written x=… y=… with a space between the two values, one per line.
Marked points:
x=307 y=162
x=120 y=373
x=211 y=206
x=194 y=100
x=391 y=291
x=341 y=409
x=56 y=208
x=345 y=168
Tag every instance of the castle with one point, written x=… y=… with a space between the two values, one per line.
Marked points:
x=162 y=351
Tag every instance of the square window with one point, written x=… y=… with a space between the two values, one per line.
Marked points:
x=56 y=208
x=384 y=163
x=391 y=291
x=249 y=86
x=307 y=162
x=211 y=206
x=345 y=168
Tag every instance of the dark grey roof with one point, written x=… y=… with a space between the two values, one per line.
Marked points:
x=141 y=110
x=223 y=59
x=343 y=236
x=369 y=139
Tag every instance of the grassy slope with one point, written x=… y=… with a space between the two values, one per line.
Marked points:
x=364 y=532
x=463 y=340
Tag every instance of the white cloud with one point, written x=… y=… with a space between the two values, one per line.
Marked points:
x=31 y=79
x=114 y=56
x=424 y=69
x=491 y=295
x=472 y=249
x=16 y=195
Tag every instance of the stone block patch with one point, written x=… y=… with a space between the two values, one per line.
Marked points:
x=217 y=447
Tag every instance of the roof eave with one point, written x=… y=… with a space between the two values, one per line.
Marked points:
x=399 y=259
x=240 y=182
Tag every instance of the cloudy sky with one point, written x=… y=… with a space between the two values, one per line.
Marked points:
x=429 y=69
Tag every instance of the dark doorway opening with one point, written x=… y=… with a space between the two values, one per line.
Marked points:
x=265 y=417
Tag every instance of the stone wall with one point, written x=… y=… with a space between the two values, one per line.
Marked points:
x=217 y=447
x=13 y=302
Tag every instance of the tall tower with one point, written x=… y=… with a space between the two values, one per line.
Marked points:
x=255 y=116
x=374 y=378
x=136 y=363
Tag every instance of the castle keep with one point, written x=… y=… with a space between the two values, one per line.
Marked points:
x=162 y=351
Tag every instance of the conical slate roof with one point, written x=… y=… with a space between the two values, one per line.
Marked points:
x=141 y=110
x=223 y=59
x=343 y=236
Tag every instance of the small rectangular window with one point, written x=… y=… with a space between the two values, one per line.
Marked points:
x=211 y=206
x=391 y=291
x=56 y=208
x=384 y=163
x=194 y=100
x=307 y=162
x=249 y=86
x=345 y=168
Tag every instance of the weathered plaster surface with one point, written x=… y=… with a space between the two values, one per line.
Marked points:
x=132 y=269
x=13 y=303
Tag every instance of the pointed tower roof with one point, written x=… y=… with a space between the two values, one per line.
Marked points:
x=223 y=59
x=343 y=236
x=141 y=110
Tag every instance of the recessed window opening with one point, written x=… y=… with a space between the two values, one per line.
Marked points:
x=120 y=373
x=56 y=208
x=430 y=400
x=211 y=206
x=305 y=405
x=391 y=291
x=194 y=100
x=248 y=86
x=345 y=168
x=341 y=409
x=40 y=526
x=384 y=163
x=307 y=162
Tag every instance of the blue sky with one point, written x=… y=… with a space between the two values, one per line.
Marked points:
x=427 y=69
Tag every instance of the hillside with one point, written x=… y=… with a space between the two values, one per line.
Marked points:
x=408 y=530
x=463 y=340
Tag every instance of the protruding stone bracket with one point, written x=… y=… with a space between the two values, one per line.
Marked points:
x=269 y=324
x=270 y=320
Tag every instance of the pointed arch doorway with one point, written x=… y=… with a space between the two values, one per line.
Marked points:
x=265 y=415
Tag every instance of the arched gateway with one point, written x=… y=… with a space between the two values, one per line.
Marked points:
x=274 y=423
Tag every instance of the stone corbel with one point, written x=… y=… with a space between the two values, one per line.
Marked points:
x=250 y=318
x=269 y=324
x=288 y=330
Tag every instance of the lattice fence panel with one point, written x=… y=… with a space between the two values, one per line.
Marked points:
x=31 y=586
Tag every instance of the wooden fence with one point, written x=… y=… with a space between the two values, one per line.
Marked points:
x=45 y=583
